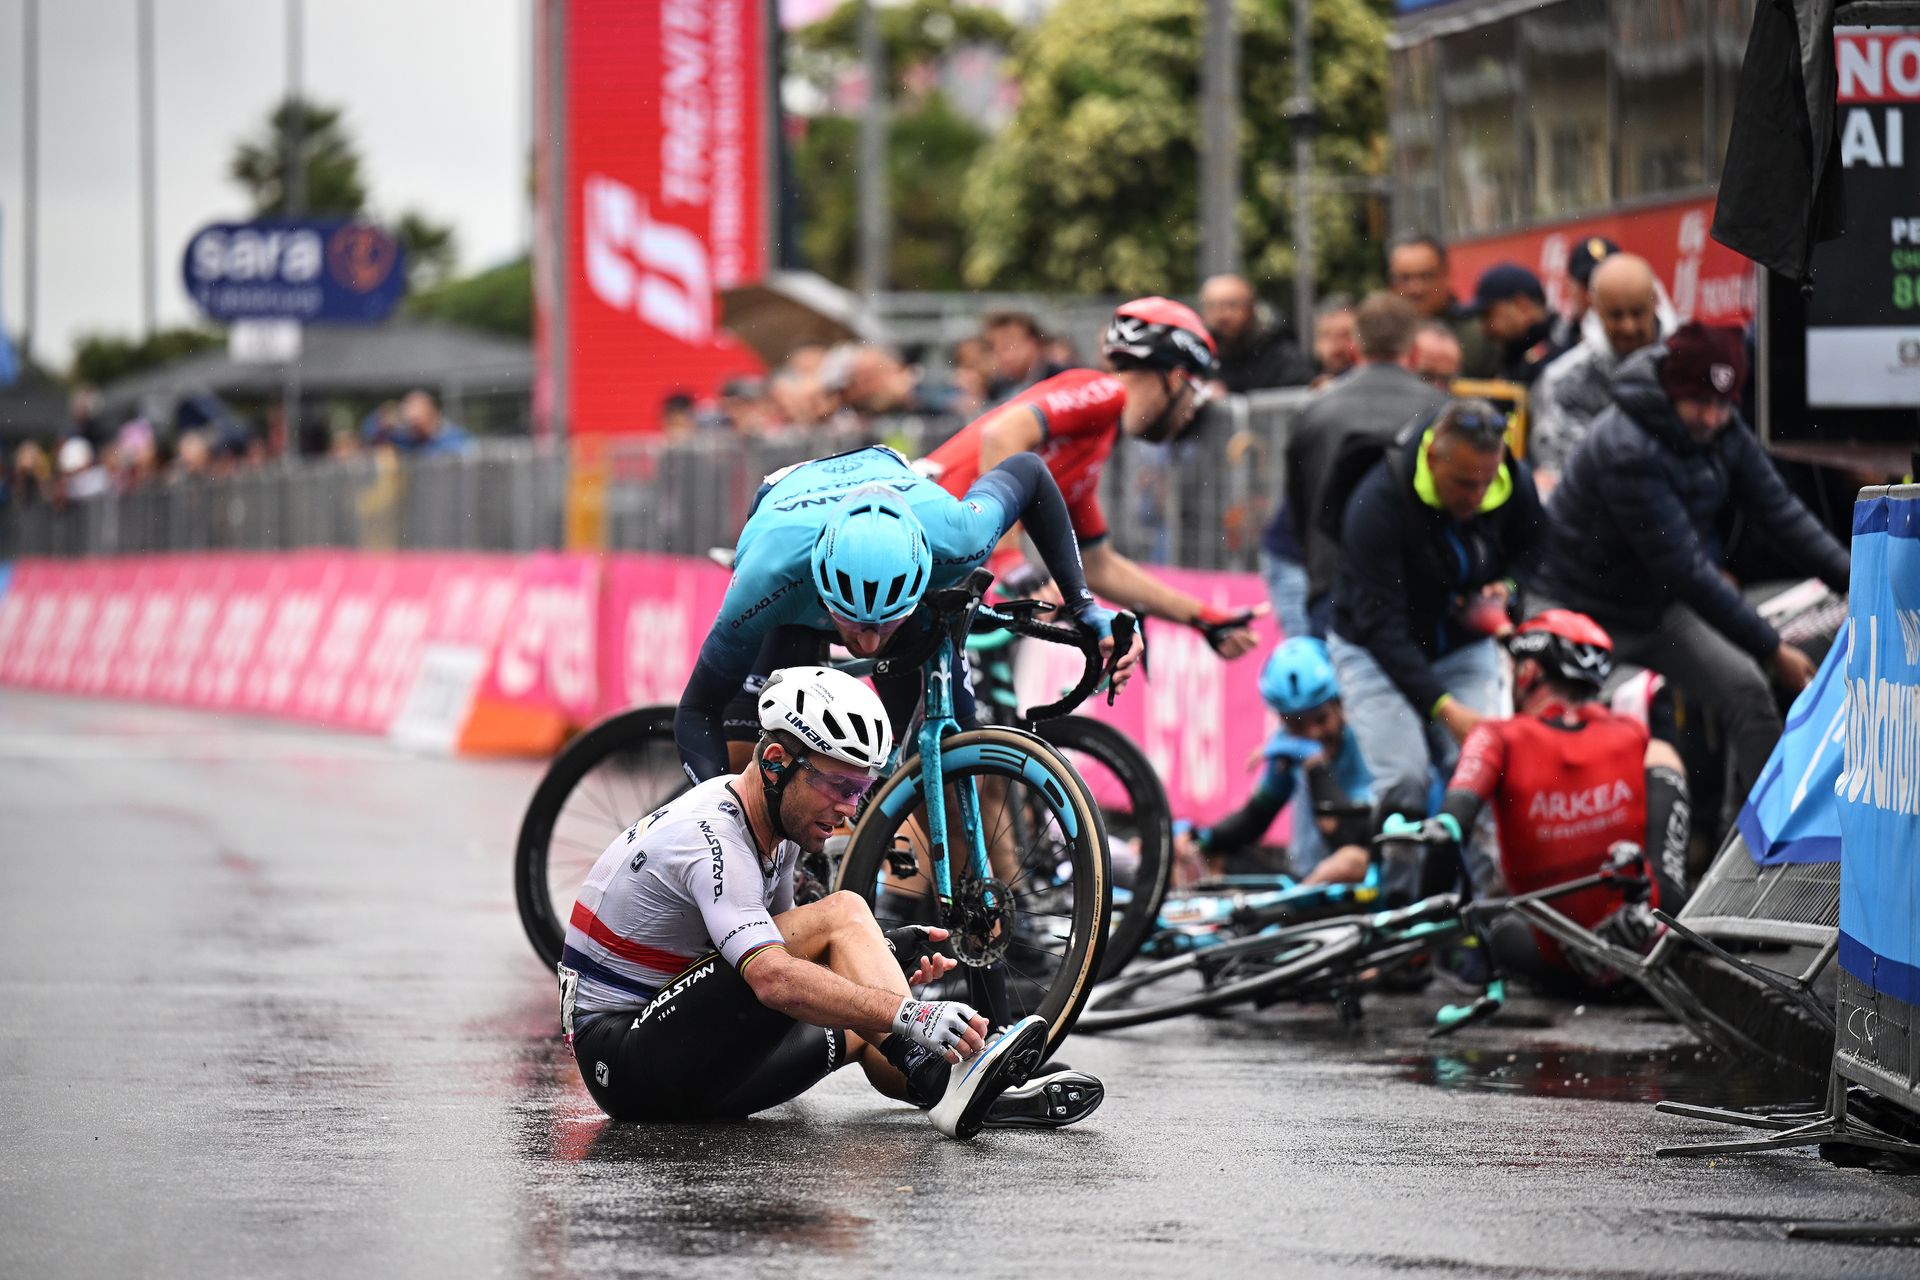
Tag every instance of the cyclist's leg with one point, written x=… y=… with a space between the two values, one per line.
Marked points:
x=700 y=1039
x=1517 y=954
x=1669 y=825
x=839 y=932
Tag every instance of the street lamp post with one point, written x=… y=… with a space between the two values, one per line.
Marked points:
x=1220 y=142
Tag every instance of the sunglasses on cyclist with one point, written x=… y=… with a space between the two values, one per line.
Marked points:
x=841 y=788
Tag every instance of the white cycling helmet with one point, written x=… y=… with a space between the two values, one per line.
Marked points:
x=831 y=712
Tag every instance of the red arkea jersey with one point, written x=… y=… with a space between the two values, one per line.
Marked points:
x=1561 y=796
x=1079 y=412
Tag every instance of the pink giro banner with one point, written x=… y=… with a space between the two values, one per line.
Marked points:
x=654 y=614
x=339 y=638
x=1197 y=717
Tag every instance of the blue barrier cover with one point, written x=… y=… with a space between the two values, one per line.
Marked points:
x=1792 y=814
x=1879 y=784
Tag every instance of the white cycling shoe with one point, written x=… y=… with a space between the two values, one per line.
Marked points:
x=972 y=1086
x=1051 y=1101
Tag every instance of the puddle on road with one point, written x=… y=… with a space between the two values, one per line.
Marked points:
x=1684 y=1074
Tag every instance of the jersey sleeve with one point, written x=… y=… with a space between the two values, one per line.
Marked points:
x=1483 y=758
x=727 y=886
x=1071 y=405
x=758 y=599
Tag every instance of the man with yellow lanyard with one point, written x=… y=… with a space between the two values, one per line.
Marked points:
x=1432 y=538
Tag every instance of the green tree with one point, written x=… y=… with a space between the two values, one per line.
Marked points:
x=930 y=145
x=1094 y=185
x=334 y=183
x=499 y=300
x=911 y=35
x=102 y=358
x=432 y=251
x=929 y=151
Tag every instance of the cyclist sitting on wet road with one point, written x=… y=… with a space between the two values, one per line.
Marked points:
x=1315 y=754
x=692 y=986
x=1569 y=779
x=846 y=546
x=1160 y=355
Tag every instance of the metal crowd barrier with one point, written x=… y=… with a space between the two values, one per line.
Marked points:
x=1200 y=503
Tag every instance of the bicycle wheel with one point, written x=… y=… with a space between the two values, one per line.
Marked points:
x=1044 y=923
x=1244 y=969
x=1134 y=807
x=603 y=782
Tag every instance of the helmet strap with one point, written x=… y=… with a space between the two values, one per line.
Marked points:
x=1160 y=430
x=774 y=777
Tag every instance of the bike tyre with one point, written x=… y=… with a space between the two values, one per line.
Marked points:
x=625 y=731
x=1319 y=948
x=1152 y=821
x=872 y=838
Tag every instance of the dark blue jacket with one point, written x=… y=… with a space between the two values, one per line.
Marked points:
x=1406 y=566
x=1636 y=516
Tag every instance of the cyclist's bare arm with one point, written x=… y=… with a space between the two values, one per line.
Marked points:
x=1114 y=577
x=1015 y=428
x=818 y=995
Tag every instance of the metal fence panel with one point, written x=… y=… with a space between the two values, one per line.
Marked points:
x=1199 y=503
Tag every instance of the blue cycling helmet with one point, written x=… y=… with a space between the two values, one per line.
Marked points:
x=1298 y=676
x=871 y=561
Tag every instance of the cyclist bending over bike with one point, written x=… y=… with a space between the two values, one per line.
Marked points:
x=1314 y=754
x=693 y=988
x=1568 y=780
x=846 y=546
x=1161 y=355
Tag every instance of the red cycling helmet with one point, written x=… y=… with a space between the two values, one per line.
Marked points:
x=1568 y=644
x=1159 y=333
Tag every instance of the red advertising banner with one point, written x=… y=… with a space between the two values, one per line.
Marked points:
x=1706 y=280
x=664 y=180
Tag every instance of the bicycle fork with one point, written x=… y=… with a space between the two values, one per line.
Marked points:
x=987 y=984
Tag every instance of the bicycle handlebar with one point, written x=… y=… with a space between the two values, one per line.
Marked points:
x=962 y=608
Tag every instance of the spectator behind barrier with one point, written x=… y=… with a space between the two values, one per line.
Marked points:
x=1431 y=541
x=1436 y=356
x=1589 y=253
x=1353 y=418
x=1512 y=307
x=1017 y=346
x=1333 y=349
x=1256 y=351
x=1629 y=311
x=424 y=430
x=1417 y=271
x=1635 y=539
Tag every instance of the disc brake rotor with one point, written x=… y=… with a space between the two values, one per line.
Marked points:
x=983 y=922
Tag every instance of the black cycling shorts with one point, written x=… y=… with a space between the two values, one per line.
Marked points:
x=705 y=1048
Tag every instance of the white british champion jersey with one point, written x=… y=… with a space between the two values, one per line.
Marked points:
x=681 y=883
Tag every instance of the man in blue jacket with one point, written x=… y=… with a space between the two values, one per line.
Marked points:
x=1431 y=540
x=1635 y=540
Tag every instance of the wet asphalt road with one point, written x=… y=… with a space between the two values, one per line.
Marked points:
x=265 y=1010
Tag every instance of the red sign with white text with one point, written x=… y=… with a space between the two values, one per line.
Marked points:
x=1706 y=280
x=665 y=184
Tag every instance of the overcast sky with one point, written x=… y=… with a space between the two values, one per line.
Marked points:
x=435 y=94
